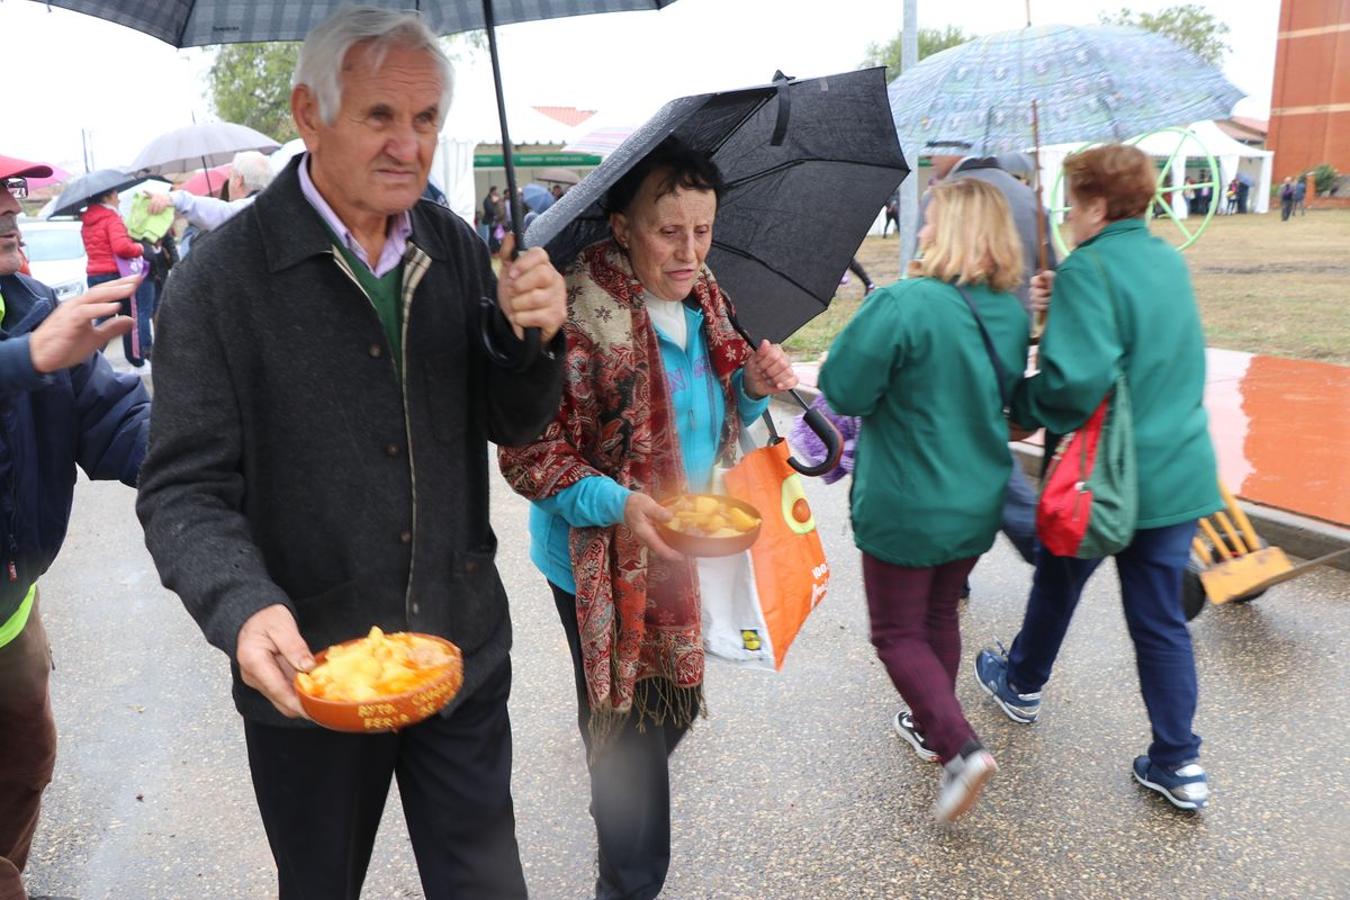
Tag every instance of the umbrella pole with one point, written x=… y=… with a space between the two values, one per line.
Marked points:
x=207 y=172
x=517 y=217
x=1042 y=254
x=525 y=355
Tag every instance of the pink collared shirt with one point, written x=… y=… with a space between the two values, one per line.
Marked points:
x=395 y=243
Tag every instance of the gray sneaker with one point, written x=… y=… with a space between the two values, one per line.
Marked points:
x=963 y=778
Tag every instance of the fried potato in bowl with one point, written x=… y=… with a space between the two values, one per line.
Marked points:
x=710 y=524
x=381 y=682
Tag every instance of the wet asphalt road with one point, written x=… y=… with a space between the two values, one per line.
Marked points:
x=795 y=786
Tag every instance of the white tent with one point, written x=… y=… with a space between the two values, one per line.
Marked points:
x=1205 y=139
x=472 y=121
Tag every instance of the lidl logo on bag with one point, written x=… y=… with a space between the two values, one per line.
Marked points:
x=750 y=639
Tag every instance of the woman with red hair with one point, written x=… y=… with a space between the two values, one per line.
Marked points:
x=1122 y=302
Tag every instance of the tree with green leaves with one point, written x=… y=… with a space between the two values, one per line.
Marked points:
x=1189 y=24
x=251 y=85
x=931 y=40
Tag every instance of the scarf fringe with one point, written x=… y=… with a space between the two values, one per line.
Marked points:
x=656 y=701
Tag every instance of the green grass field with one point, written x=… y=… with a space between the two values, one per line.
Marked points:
x=1265 y=286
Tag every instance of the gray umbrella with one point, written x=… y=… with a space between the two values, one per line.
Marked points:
x=205 y=144
x=197 y=23
x=79 y=191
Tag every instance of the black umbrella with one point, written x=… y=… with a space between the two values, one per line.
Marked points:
x=199 y=23
x=79 y=191
x=807 y=164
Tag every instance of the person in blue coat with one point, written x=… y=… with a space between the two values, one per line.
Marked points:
x=61 y=405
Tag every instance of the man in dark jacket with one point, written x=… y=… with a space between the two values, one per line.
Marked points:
x=61 y=405
x=318 y=462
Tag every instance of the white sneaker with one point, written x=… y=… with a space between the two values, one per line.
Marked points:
x=963 y=778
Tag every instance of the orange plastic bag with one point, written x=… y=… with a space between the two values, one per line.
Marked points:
x=755 y=602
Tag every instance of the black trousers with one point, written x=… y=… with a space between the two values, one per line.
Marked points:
x=321 y=794
x=630 y=788
x=856 y=268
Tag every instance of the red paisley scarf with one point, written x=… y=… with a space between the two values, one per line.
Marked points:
x=638 y=615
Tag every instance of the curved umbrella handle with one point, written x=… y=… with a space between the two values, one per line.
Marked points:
x=829 y=436
x=497 y=334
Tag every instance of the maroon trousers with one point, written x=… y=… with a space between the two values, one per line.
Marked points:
x=918 y=640
x=27 y=748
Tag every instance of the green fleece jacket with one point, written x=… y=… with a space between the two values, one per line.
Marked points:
x=1124 y=299
x=932 y=462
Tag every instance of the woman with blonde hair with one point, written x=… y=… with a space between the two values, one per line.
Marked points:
x=928 y=364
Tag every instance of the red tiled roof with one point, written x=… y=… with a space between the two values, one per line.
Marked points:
x=1261 y=125
x=568 y=115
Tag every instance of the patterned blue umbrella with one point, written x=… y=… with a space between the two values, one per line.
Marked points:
x=1090 y=83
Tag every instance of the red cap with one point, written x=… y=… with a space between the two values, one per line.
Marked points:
x=10 y=167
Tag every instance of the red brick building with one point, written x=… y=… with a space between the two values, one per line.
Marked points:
x=1310 y=103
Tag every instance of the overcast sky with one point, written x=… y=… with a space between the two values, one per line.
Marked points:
x=71 y=71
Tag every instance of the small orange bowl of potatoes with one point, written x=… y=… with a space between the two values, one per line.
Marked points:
x=381 y=682
x=709 y=524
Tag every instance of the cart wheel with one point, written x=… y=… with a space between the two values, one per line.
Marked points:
x=1193 y=599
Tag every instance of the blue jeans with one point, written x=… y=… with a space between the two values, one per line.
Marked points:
x=146 y=300
x=1150 y=571
x=1019 y=513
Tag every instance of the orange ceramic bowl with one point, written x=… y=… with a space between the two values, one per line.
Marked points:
x=697 y=545
x=392 y=712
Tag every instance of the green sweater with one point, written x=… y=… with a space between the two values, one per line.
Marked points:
x=1127 y=275
x=385 y=295
x=932 y=462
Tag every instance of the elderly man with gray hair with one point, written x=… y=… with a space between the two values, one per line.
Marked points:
x=318 y=462
x=249 y=174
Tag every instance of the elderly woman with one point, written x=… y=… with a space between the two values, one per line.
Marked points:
x=926 y=363
x=658 y=385
x=1123 y=302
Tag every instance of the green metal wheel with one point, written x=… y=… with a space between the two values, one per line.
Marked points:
x=1188 y=234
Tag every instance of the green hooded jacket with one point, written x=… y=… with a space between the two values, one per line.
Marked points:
x=932 y=462
x=1124 y=298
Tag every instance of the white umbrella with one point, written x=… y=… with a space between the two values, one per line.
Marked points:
x=288 y=151
x=205 y=144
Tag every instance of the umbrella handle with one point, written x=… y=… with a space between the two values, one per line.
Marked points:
x=497 y=334
x=815 y=420
x=829 y=436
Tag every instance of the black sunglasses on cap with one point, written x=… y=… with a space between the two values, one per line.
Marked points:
x=18 y=187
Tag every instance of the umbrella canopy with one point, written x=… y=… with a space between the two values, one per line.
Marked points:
x=807 y=164
x=81 y=190
x=1090 y=83
x=197 y=23
x=199 y=146
x=537 y=197
x=600 y=141
x=207 y=181
x=557 y=176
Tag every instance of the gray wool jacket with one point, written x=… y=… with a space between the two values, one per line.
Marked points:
x=289 y=462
